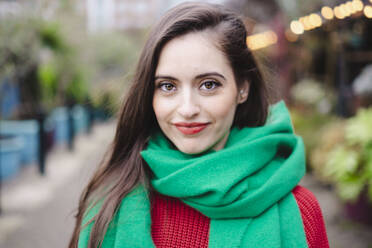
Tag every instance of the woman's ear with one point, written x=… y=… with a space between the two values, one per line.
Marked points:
x=243 y=92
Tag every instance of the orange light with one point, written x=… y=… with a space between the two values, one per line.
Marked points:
x=327 y=12
x=291 y=37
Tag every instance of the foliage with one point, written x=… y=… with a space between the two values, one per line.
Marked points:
x=328 y=136
x=344 y=155
x=35 y=54
x=48 y=79
x=55 y=59
x=308 y=91
x=311 y=94
x=77 y=87
x=107 y=97
x=112 y=54
x=112 y=58
x=308 y=124
x=19 y=57
x=51 y=36
x=61 y=77
x=19 y=46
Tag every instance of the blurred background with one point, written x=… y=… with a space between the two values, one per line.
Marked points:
x=65 y=66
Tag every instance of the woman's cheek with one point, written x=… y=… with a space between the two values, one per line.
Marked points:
x=162 y=107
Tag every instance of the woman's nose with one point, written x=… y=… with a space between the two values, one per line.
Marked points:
x=188 y=106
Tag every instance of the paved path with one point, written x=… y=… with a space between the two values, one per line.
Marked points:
x=342 y=232
x=38 y=211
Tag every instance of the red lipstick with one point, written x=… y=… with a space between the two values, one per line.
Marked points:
x=189 y=128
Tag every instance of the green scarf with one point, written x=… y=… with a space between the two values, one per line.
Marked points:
x=245 y=189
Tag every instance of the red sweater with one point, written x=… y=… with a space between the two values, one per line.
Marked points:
x=174 y=224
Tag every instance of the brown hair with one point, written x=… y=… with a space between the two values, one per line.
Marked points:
x=124 y=168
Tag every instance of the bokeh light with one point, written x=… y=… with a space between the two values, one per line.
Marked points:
x=327 y=13
x=261 y=40
x=297 y=27
x=368 y=11
x=357 y=5
x=338 y=13
x=290 y=36
x=315 y=20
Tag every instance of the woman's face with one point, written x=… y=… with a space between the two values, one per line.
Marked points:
x=195 y=94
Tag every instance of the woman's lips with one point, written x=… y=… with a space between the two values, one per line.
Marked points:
x=191 y=128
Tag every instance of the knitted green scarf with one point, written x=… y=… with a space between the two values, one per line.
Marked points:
x=245 y=189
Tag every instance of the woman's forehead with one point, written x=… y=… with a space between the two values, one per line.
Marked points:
x=192 y=54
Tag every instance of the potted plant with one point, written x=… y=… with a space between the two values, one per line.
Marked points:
x=310 y=111
x=347 y=163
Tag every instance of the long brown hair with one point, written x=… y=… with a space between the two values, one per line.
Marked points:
x=124 y=168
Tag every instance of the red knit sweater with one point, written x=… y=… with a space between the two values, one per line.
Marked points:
x=174 y=224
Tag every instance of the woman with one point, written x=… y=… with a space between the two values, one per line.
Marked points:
x=199 y=158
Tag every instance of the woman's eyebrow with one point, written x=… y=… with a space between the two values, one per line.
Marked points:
x=166 y=77
x=210 y=74
x=207 y=74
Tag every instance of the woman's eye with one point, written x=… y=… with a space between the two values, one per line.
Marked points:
x=167 y=87
x=209 y=85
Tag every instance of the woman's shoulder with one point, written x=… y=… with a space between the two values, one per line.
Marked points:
x=312 y=217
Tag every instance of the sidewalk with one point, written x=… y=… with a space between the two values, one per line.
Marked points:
x=38 y=210
x=342 y=232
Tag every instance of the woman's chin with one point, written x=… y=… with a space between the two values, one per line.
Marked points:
x=191 y=149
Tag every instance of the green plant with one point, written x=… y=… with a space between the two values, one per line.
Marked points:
x=77 y=88
x=311 y=94
x=48 y=79
x=348 y=163
x=309 y=124
x=326 y=138
x=308 y=91
x=37 y=55
x=107 y=101
x=51 y=37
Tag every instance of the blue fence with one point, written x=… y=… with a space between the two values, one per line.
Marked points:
x=28 y=132
x=59 y=118
x=20 y=140
x=10 y=156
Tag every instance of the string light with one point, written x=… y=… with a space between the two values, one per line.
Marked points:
x=338 y=13
x=344 y=9
x=368 y=11
x=315 y=20
x=305 y=23
x=357 y=5
x=261 y=40
x=296 y=27
x=350 y=7
x=327 y=13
